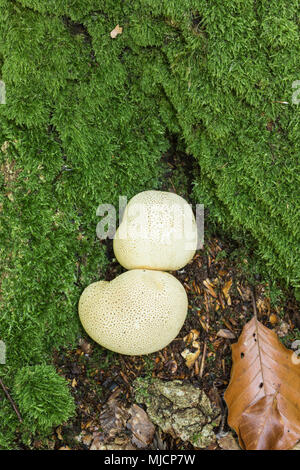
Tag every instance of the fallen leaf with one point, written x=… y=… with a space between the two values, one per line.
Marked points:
x=58 y=432
x=261 y=424
x=222 y=272
x=171 y=366
x=191 y=357
x=86 y=439
x=228 y=442
x=120 y=443
x=74 y=383
x=227 y=287
x=205 y=326
x=226 y=290
x=273 y=319
x=263 y=396
x=217 y=342
x=192 y=336
x=88 y=424
x=117 y=30
x=85 y=346
x=114 y=415
x=209 y=287
x=141 y=427
x=263 y=305
x=223 y=333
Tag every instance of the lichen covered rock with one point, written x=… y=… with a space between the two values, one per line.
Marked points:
x=179 y=409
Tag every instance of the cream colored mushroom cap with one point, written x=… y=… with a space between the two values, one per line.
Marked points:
x=158 y=231
x=139 y=312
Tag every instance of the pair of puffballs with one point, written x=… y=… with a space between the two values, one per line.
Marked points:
x=142 y=310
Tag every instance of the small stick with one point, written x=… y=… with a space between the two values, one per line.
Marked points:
x=254 y=302
x=11 y=401
x=221 y=432
x=203 y=360
x=56 y=178
x=173 y=186
x=197 y=367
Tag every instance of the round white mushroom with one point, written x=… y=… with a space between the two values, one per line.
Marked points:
x=139 y=312
x=158 y=231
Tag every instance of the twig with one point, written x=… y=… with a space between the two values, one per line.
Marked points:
x=203 y=360
x=173 y=186
x=64 y=168
x=253 y=296
x=11 y=401
x=223 y=409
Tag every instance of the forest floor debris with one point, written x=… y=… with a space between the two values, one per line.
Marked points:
x=102 y=381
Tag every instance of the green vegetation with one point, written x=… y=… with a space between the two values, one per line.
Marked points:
x=43 y=397
x=88 y=118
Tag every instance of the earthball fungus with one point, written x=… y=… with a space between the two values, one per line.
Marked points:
x=139 y=312
x=158 y=231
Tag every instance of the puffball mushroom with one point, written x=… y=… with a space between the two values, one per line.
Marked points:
x=139 y=312
x=158 y=231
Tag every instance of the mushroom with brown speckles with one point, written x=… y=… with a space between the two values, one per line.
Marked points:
x=139 y=312
x=158 y=231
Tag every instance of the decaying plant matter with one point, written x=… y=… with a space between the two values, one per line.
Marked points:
x=263 y=396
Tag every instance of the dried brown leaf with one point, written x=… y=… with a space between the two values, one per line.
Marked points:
x=192 y=336
x=261 y=424
x=228 y=442
x=209 y=287
x=226 y=288
x=141 y=427
x=85 y=346
x=190 y=356
x=121 y=442
x=172 y=366
x=273 y=319
x=87 y=440
x=74 y=383
x=223 y=333
x=114 y=416
x=265 y=378
x=117 y=30
x=205 y=326
x=59 y=435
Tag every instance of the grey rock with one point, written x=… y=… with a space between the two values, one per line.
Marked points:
x=182 y=410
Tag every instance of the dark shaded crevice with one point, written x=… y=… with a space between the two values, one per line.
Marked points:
x=76 y=29
x=198 y=24
x=177 y=159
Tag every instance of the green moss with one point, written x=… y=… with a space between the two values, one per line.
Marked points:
x=42 y=397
